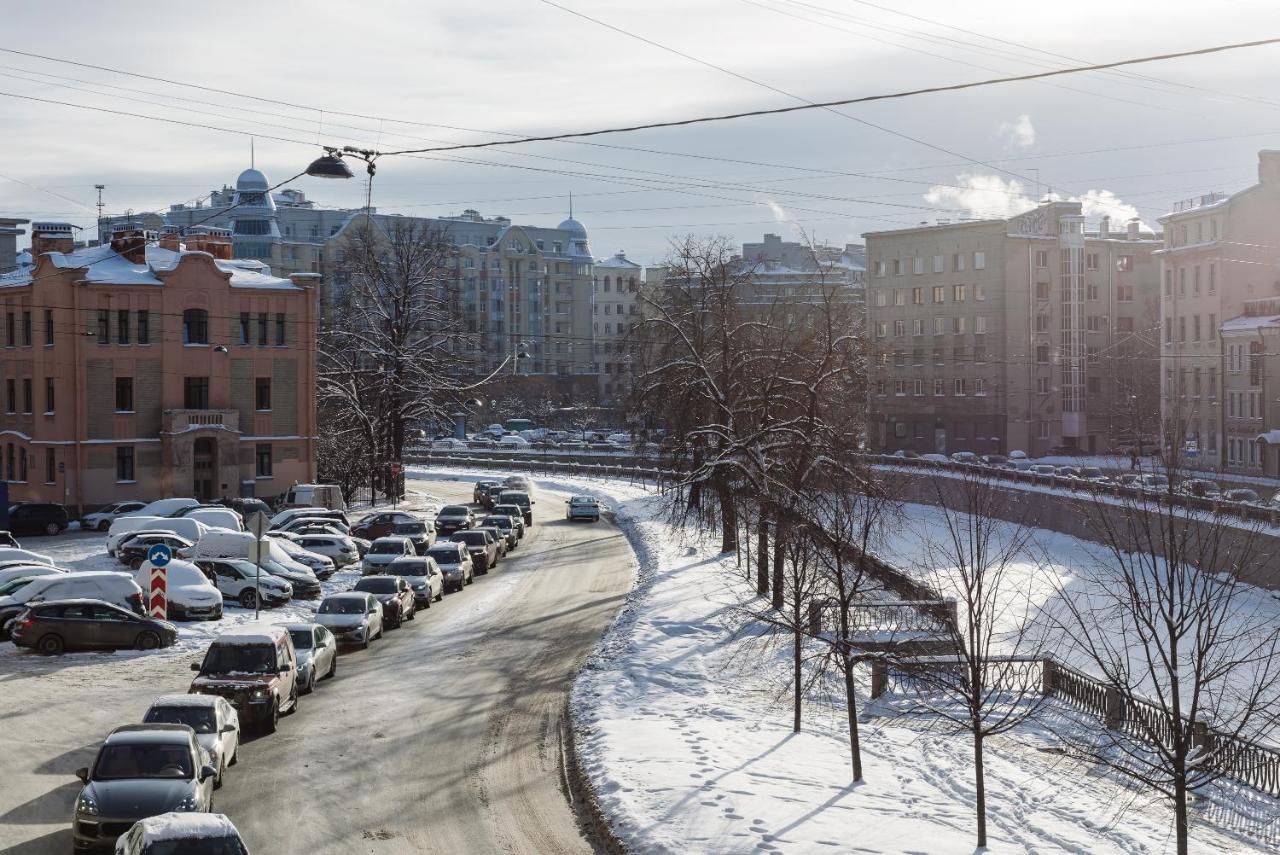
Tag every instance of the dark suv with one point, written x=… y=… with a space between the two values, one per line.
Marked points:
x=38 y=518
x=256 y=669
x=453 y=518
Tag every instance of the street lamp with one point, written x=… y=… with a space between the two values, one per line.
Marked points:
x=332 y=165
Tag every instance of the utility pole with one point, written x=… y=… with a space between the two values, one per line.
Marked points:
x=100 y=188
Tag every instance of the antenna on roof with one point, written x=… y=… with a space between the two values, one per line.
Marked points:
x=571 y=204
x=252 y=159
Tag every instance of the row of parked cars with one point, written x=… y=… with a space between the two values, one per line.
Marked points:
x=150 y=787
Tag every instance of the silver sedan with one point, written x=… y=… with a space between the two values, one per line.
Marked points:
x=317 y=652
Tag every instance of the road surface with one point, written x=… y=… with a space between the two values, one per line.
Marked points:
x=443 y=738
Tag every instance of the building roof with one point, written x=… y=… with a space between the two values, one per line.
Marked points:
x=572 y=225
x=105 y=266
x=619 y=259
x=1248 y=323
x=252 y=179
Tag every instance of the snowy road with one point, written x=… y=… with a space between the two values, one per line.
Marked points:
x=442 y=738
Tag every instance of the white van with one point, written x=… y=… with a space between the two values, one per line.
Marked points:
x=165 y=508
x=240 y=544
x=191 y=529
x=190 y=594
x=315 y=496
x=24 y=555
x=119 y=589
x=216 y=518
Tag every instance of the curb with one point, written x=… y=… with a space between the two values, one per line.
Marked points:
x=582 y=797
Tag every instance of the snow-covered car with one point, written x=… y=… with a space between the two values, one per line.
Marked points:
x=582 y=508
x=133 y=551
x=190 y=594
x=215 y=517
x=23 y=570
x=322 y=566
x=26 y=556
x=352 y=617
x=448 y=445
x=1043 y=469
x=1241 y=496
x=182 y=832
x=1017 y=455
x=165 y=508
x=283 y=518
x=240 y=581
x=1155 y=483
x=383 y=551
x=192 y=530
x=102 y=520
x=1091 y=473
x=338 y=548
x=935 y=458
x=317 y=652
x=513 y=441
x=906 y=454
x=965 y=457
x=1200 y=487
x=215 y=721
x=303 y=525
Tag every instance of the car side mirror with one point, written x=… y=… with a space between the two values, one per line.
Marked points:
x=195 y=666
x=285 y=668
x=83 y=774
x=228 y=728
x=207 y=772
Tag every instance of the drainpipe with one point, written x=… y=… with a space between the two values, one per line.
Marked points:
x=79 y=428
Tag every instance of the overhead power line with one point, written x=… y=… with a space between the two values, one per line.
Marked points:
x=844 y=102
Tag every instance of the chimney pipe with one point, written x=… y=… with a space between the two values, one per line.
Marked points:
x=51 y=237
x=1133 y=228
x=131 y=243
x=1104 y=227
x=170 y=239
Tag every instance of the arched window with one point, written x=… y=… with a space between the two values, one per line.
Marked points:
x=195 y=326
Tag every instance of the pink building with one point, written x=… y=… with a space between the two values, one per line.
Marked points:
x=151 y=368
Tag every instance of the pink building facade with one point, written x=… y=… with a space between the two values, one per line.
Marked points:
x=152 y=368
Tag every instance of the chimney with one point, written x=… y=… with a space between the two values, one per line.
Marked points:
x=131 y=243
x=1104 y=227
x=1133 y=228
x=51 y=237
x=1269 y=166
x=217 y=242
x=170 y=238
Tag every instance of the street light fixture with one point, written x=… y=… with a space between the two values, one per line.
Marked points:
x=332 y=165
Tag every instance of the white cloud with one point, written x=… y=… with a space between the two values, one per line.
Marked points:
x=1019 y=133
x=992 y=197
x=780 y=214
x=1096 y=203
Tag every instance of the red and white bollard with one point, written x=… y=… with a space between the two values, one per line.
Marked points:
x=159 y=598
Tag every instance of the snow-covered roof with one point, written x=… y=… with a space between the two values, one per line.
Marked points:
x=250 y=634
x=619 y=259
x=1245 y=323
x=573 y=226
x=103 y=265
x=200 y=701
x=186 y=826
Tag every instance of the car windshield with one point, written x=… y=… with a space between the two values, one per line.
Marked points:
x=497 y=522
x=122 y=762
x=199 y=719
x=301 y=638
x=377 y=585
x=444 y=556
x=471 y=538
x=240 y=659
x=342 y=606
x=395 y=548
x=1090 y=472
x=410 y=528
x=453 y=511
x=407 y=568
x=583 y=500
x=197 y=846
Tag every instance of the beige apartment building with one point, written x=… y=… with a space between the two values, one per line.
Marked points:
x=148 y=368
x=615 y=309
x=1029 y=333
x=1219 y=263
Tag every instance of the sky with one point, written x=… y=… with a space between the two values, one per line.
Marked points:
x=394 y=75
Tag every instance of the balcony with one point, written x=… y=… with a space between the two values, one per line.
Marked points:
x=181 y=421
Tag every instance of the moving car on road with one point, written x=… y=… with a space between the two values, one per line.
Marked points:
x=481 y=491
x=521 y=499
x=395 y=595
x=255 y=668
x=141 y=770
x=453 y=518
x=101 y=520
x=182 y=834
x=353 y=617
x=454 y=562
x=52 y=626
x=582 y=508
x=417 y=533
x=483 y=548
x=317 y=652
x=516 y=514
x=215 y=722
x=423 y=575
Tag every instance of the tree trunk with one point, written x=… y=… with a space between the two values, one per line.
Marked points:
x=980 y=788
x=1183 y=831
x=728 y=519
x=851 y=708
x=797 y=659
x=762 y=555
x=779 y=586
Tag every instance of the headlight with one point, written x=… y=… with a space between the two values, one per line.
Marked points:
x=259 y=694
x=189 y=803
x=86 y=805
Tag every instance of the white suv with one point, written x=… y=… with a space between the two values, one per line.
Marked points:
x=338 y=548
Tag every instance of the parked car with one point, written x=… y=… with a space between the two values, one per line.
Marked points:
x=119 y=589
x=171 y=833
x=255 y=668
x=383 y=551
x=1066 y=471
x=23 y=556
x=905 y=454
x=215 y=516
x=965 y=457
x=573 y=445
x=101 y=520
x=933 y=457
x=165 y=508
x=498 y=535
x=38 y=518
x=315 y=496
x=353 y=617
x=312 y=525
x=246 y=507
x=603 y=445
x=122 y=528
x=284 y=517
x=240 y=581
x=381 y=524
x=1044 y=469
x=1155 y=483
x=481 y=491
x=1091 y=473
x=521 y=499
x=304 y=583
x=215 y=722
x=582 y=508
x=454 y=561
x=133 y=552
x=141 y=770
x=338 y=548
x=190 y=594
x=997 y=460
x=397 y=598
x=242 y=544
x=1242 y=496
x=15 y=584
x=453 y=518
x=483 y=548
x=516 y=514
x=1200 y=487
x=52 y=626
x=322 y=566
x=1129 y=479
x=423 y=575
x=25 y=570
x=1064 y=451
x=418 y=534
x=317 y=652
x=448 y=444
x=505 y=525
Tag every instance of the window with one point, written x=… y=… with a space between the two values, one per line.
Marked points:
x=124 y=394
x=262 y=393
x=195 y=326
x=1124 y=293
x=280 y=329
x=979 y=387
x=22 y=464
x=144 y=327
x=1182 y=329
x=1091 y=291
x=979 y=261
x=918 y=388
x=104 y=331
x=26 y=330
x=1195 y=281
x=1093 y=323
x=1195 y=328
x=1124 y=264
x=1168 y=283
x=48 y=326
x=939 y=388
x=882 y=299
x=244 y=327
x=195 y=393
x=899 y=299
x=1091 y=261
x=957 y=263
x=11 y=395
x=50 y=466
x=917 y=356
x=1042 y=290
x=917 y=265
x=917 y=326
x=1168 y=330
x=1042 y=385
x=899 y=388
x=899 y=327
x=958 y=293
x=917 y=296
x=958 y=325
x=28 y=405
x=1042 y=258
x=980 y=325
x=939 y=293
x=959 y=387
x=879 y=269
x=939 y=326
x=980 y=293
x=897 y=267
x=1213 y=278
x=1212 y=332
x=262 y=329
x=1042 y=430
x=882 y=329
x=263 y=457
x=1042 y=354
x=1124 y=325
x=124 y=463
x=937 y=264
x=938 y=356
x=48 y=396
x=1182 y=282
x=1042 y=322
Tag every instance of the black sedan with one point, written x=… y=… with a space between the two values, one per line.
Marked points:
x=398 y=601
x=453 y=518
x=57 y=625
x=133 y=551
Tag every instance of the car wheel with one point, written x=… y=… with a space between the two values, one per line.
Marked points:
x=235 y=758
x=50 y=645
x=293 y=698
x=135 y=565
x=217 y=781
x=147 y=640
x=273 y=721
x=333 y=668
x=104 y=525
x=440 y=596
x=51 y=529
x=311 y=683
x=248 y=598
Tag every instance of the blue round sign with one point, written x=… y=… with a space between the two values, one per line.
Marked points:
x=159 y=555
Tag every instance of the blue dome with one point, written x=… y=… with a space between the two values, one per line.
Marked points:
x=252 y=179
x=572 y=225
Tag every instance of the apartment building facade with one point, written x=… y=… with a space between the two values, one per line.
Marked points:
x=1220 y=256
x=1027 y=333
x=146 y=368
x=10 y=229
x=616 y=307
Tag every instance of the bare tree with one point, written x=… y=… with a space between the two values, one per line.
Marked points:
x=1188 y=648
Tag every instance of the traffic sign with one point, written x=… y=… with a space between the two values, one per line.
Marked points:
x=159 y=555
x=257 y=524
